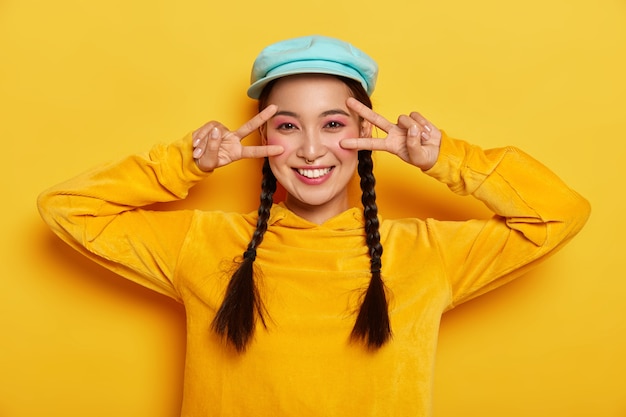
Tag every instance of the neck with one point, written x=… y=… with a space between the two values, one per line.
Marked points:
x=314 y=213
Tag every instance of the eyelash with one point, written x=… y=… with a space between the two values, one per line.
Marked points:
x=333 y=124
x=286 y=126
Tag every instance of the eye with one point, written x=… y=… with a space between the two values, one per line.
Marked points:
x=286 y=126
x=333 y=124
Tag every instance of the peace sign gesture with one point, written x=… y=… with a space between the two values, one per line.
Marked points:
x=215 y=146
x=414 y=139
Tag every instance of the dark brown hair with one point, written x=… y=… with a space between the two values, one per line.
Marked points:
x=236 y=317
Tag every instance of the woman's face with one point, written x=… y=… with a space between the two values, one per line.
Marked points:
x=311 y=120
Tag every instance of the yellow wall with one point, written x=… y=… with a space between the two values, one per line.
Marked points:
x=82 y=82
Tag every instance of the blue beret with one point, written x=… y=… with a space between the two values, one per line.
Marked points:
x=312 y=55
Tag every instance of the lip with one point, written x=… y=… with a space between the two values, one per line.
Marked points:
x=318 y=174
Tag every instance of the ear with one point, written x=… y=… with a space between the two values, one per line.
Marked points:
x=263 y=133
x=366 y=129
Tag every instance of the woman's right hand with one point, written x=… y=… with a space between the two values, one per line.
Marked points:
x=215 y=146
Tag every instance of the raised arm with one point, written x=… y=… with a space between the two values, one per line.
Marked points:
x=535 y=213
x=101 y=212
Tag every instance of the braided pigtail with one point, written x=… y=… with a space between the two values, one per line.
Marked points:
x=372 y=323
x=235 y=318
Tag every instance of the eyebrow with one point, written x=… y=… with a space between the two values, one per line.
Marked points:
x=333 y=112
x=324 y=114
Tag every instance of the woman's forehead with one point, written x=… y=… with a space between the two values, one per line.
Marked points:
x=315 y=92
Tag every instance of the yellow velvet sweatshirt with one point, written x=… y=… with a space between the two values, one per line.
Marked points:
x=303 y=364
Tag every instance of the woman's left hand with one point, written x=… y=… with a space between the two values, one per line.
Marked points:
x=414 y=139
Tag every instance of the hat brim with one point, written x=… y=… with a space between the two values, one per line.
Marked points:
x=310 y=67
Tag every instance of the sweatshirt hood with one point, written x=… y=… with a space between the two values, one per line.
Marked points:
x=350 y=219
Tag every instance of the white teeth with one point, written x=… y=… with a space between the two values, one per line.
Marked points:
x=313 y=173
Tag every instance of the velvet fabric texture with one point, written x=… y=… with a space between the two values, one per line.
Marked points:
x=310 y=276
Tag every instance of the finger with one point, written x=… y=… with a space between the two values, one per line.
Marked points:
x=203 y=131
x=414 y=136
x=199 y=145
x=405 y=122
x=369 y=114
x=414 y=129
x=202 y=139
x=212 y=147
x=261 y=151
x=416 y=125
x=423 y=121
x=257 y=121
x=364 y=144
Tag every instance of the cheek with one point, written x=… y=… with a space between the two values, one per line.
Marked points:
x=345 y=154
x=275 y=140
x=286 y=144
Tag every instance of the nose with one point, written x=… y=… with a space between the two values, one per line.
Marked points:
x=312 y=147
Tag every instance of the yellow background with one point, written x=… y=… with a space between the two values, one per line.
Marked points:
x=83 y=82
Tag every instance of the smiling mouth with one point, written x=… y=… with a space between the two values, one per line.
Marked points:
x=314 y=173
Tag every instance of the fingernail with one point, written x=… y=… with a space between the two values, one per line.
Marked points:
x=196 y=142
x=427 y=128
x=413 y=130
x=425 y=136
x=215 y=133
x=197 y=152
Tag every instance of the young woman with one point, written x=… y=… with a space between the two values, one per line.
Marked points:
x=312 y=307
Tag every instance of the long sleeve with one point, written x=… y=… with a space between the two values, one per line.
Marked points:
x=99 y=213
x=535 y=214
